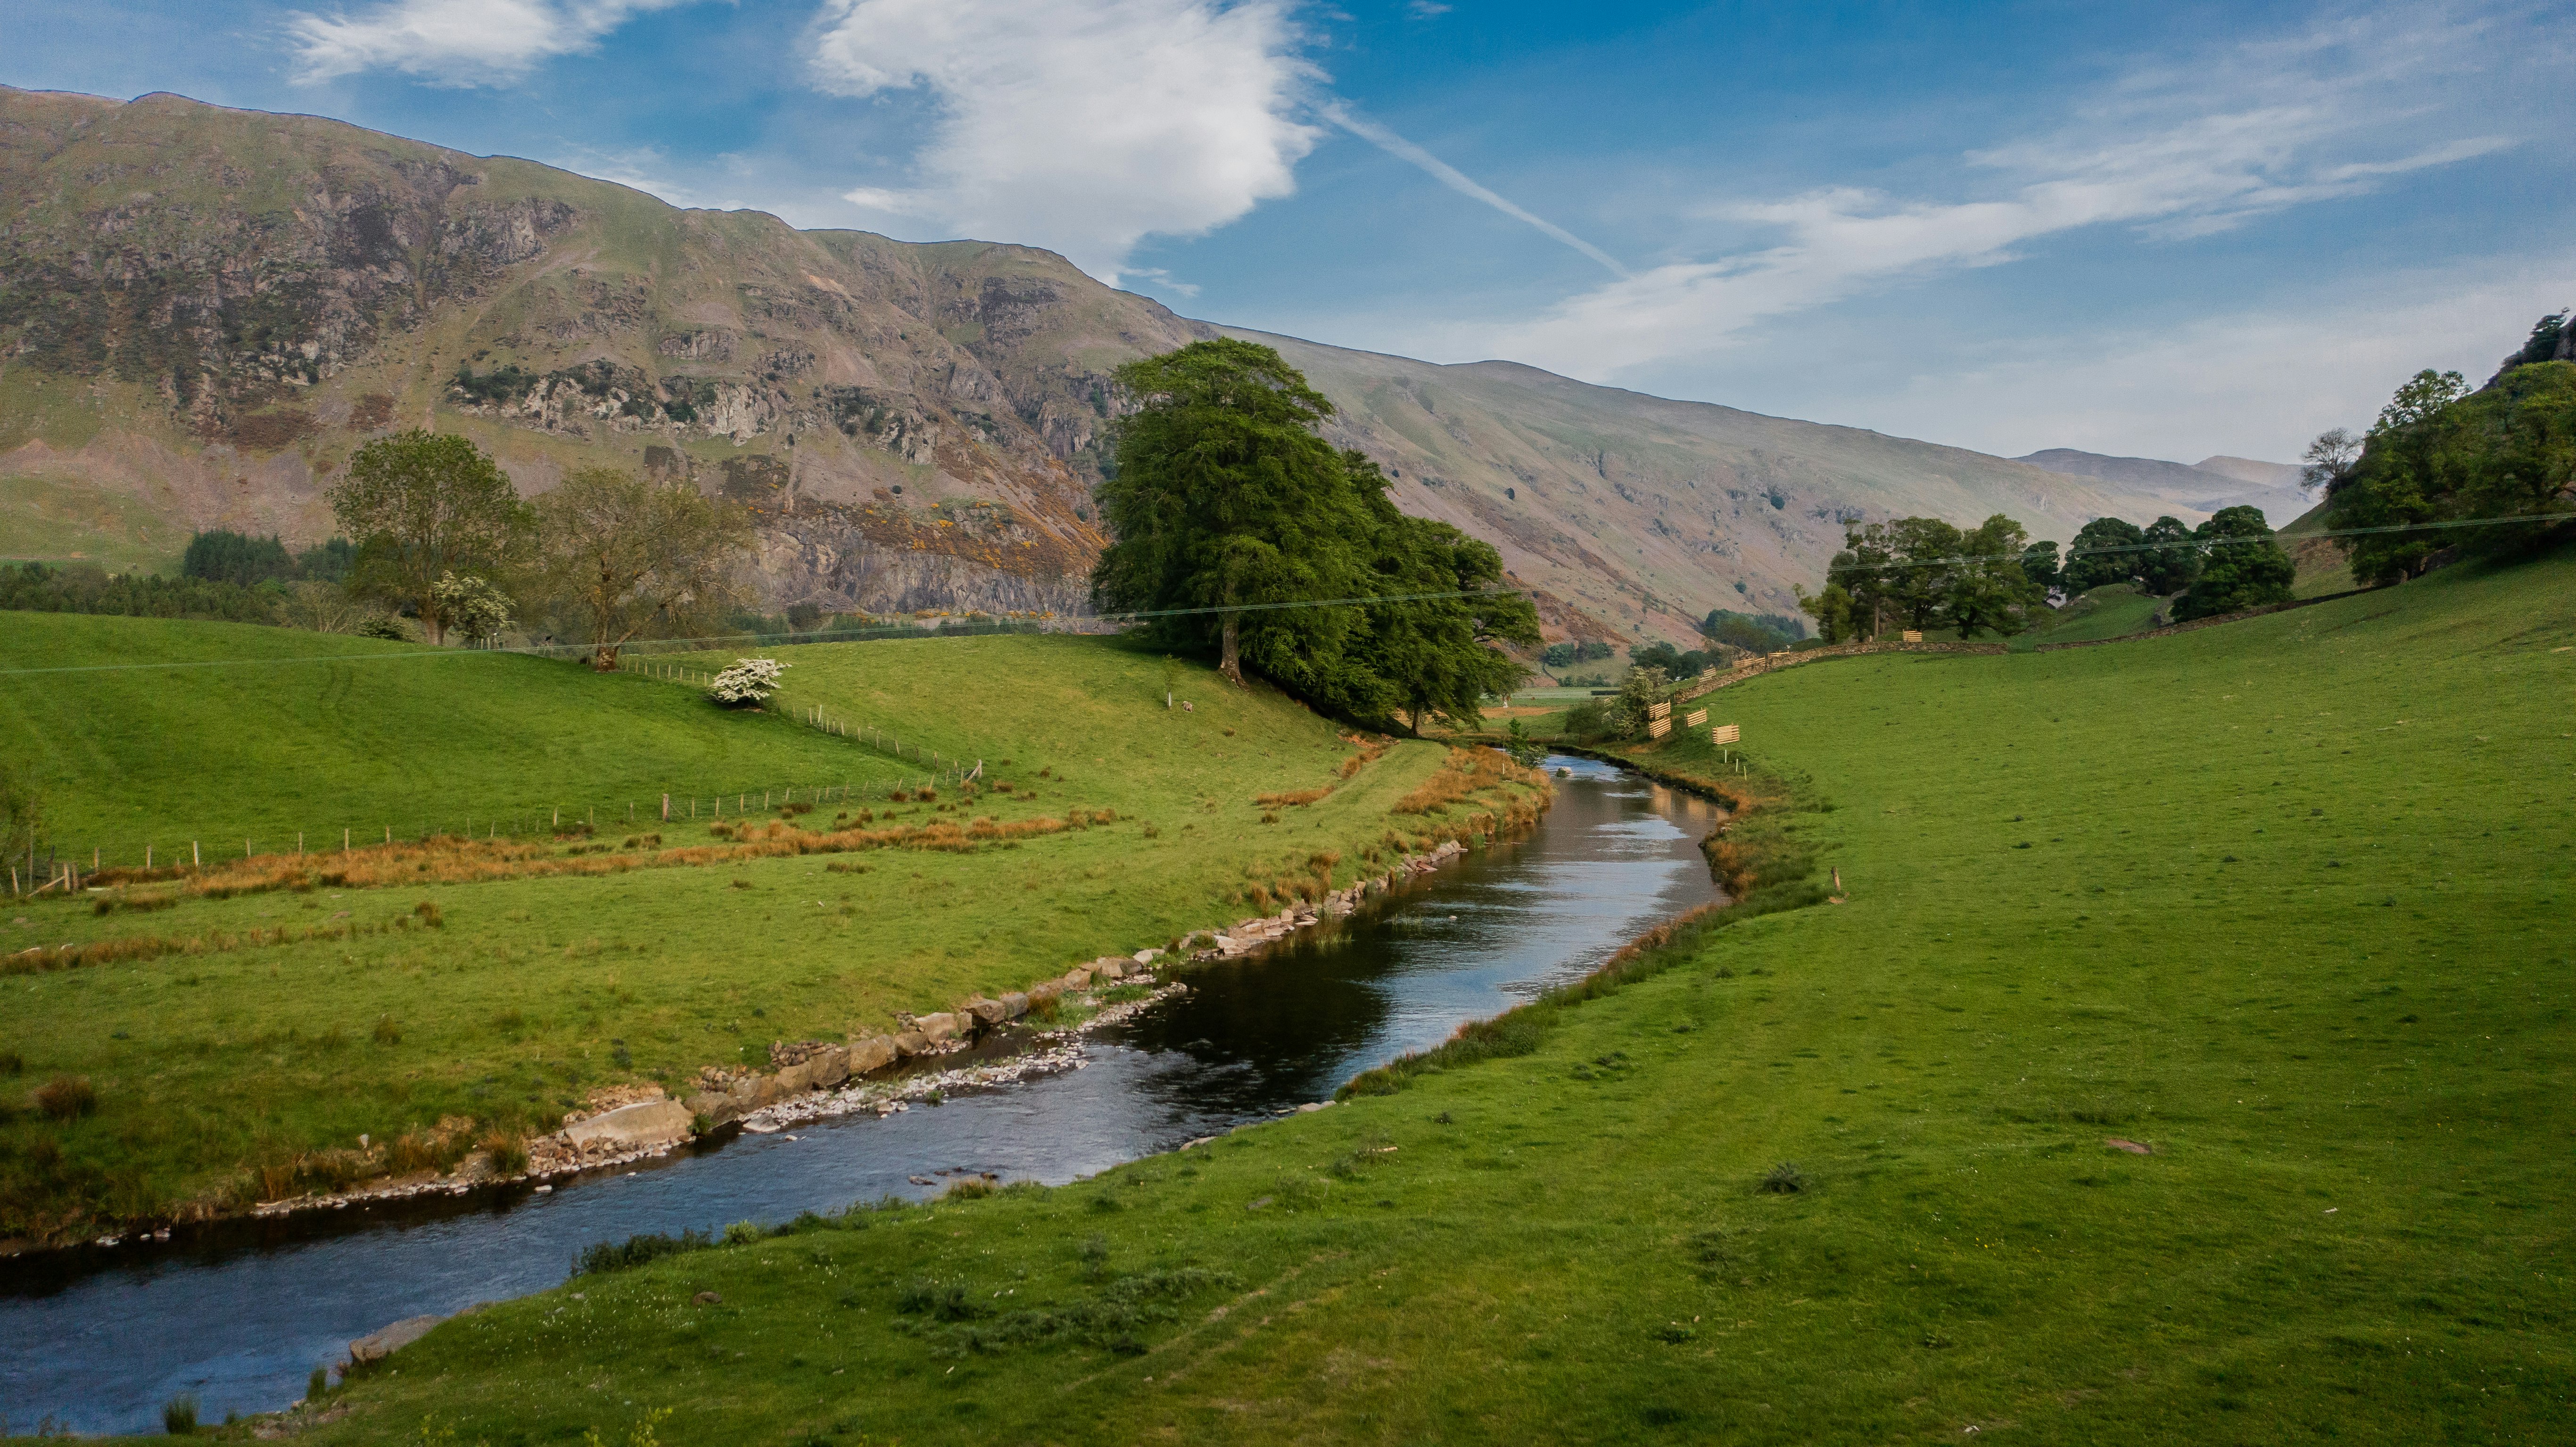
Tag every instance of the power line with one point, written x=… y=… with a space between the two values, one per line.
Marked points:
x=2180 y=544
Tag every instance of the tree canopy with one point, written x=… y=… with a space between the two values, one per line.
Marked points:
x=622 y=557
x=1925 y=573
x=2241 y=566
x=423 y=505
x=1226 y=503
x=2104 y=552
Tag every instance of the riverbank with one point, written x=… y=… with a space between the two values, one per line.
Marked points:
x=2105 y=1110
x=199 y=1047
x=882 y=1073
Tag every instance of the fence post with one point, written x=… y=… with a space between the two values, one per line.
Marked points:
x=194 y=857
x=666 y=808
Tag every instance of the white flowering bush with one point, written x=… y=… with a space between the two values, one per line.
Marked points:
x=750 y=680
x=471 y=606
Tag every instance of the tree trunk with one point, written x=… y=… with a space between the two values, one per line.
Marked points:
x=1230 y=659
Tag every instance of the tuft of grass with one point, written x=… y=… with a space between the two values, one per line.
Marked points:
x=66 y=1097
x=179 y=1416
x=1784 y=1179
x=602 y=1257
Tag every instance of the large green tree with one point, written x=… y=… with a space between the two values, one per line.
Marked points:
x=422 y=505
x=1927 y=561
x=621 y=557
x=2105 y=551
x=1254 y=537
x=2171 y=558
x=2242 y=566
x=1988 y=589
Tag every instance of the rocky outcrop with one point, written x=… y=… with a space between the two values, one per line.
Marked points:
x=647 y=1123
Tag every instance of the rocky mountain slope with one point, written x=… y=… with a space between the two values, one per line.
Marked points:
x=2190 y=489
x=204 y=311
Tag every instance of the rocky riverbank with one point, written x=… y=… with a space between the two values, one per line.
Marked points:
x=815 y=1080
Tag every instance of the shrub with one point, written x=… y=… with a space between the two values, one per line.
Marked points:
x=606 y=1256
x=749 y=681
x=742 y=1233
x=939 y=1300
x=318 y=1385
x=1299 y=1192
x=179 y=1416
x=508 y=1153
x=66 y=1097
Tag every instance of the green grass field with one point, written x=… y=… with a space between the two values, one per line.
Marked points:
x=148 y=731
x=2283 y=902
x=235 y=1053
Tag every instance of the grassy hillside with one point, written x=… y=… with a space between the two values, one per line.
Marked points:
x=242 y=1029
x=145 y=730
x=2281 y=904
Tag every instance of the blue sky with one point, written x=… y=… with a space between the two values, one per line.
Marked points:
x=2170 y=230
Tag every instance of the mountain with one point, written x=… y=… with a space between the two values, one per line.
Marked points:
x=2188 y=488
x=204 y=311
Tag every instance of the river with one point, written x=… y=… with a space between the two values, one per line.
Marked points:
x=95 y=1339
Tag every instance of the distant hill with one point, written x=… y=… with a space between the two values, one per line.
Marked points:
x=2188 y=488
x=204 y=311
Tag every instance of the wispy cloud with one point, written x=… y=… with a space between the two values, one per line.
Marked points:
x=1082 y=125
x=455 y=42
x=1162 y=280
x=2173 y=153
x=1342 y=115
x=2252 y=384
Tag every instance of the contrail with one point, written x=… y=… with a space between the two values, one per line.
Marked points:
x=1456 y=180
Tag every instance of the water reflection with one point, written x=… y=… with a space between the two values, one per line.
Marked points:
x=238 y=1313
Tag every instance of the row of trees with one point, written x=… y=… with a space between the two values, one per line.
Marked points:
x=1240 y=531
x=1923 y=573
x=225 y=556
x=2442 y=455
x=607 y=556
x=2228 y=564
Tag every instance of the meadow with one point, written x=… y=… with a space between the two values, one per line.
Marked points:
x=240 y=1027
x=2189 y=1061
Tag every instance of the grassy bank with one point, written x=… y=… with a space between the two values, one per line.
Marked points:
x=239 y=1028
x=2280 y=905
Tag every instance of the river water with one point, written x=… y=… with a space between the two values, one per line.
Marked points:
x=95 y=1339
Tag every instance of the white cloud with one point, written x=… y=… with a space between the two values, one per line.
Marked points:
x=1082 y=125
x=2174 y=154
x=2258 y=384
x=459 y=42
x=1162 y=280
